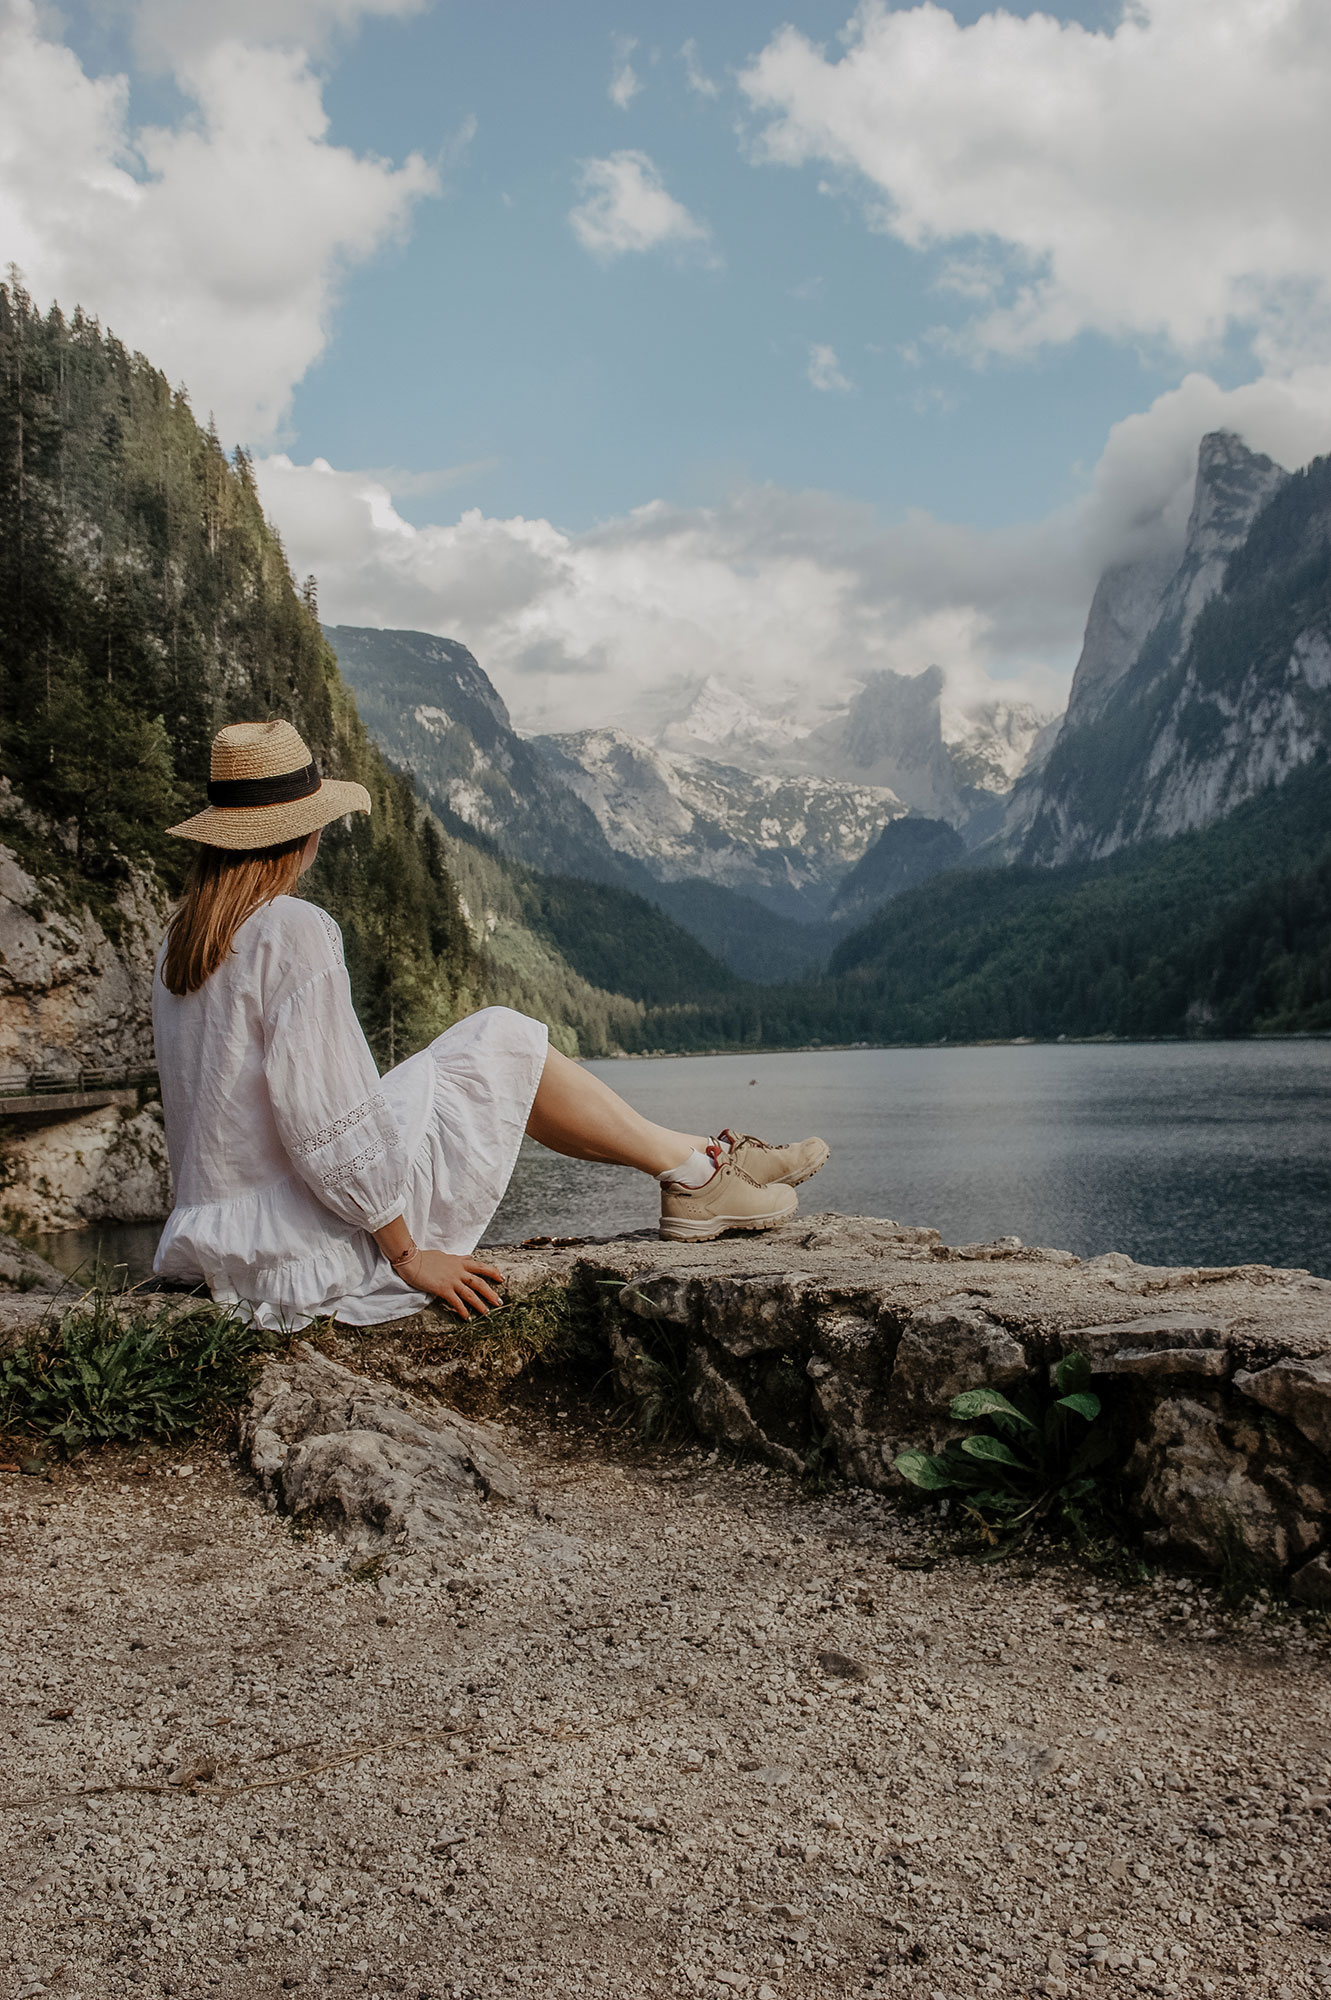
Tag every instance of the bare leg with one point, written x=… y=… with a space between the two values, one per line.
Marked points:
x=575 y=1113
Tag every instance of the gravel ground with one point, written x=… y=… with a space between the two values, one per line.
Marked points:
x=673 y=1728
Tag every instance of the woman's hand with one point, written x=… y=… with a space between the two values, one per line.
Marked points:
x=461 y=1282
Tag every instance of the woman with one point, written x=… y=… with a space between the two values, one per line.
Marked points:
x=306 y=1184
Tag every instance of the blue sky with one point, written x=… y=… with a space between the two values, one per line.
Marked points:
x=584 y=389
x=792 y=343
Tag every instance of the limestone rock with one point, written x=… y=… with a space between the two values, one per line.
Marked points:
x=754 y=1315
x=367 y=1461
x=22 y=1270
x=101 y=1166
x=849 y=1377
x=1159 y=1347
x=944 y=1349
x=1297 y=1389
x=1220 y=1491
x=69 y=998
x=842 y=1340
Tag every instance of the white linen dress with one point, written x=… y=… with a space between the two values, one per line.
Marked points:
x=287 y=1147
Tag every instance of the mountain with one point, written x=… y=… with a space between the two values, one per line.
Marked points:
x=773 y=816
x=432 y=708
x=1222 y=932
x=898 y=732
x=906 y=853
x=942 y=761
x=784 y=840
x=1203 y=675
x=428 y=704
x=726 y=725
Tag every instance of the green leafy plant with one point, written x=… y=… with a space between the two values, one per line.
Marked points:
x=1032 y=1466
x=111 y=1372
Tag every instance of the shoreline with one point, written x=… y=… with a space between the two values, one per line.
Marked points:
x=994 y=1042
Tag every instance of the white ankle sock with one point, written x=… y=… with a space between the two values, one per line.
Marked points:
x=694 y=1172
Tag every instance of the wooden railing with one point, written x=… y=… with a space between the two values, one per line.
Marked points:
x=32 y=1093
x=30 y=1082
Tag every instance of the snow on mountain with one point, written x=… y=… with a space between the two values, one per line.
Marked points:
x=897 y=732
x=725 y=723
x=783 y=838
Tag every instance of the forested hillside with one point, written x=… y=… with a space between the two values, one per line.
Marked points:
x=1223 y=932
x=146 y=602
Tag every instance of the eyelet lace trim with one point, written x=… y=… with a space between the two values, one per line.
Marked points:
x=338 y=1176
x=327 y=1133
x=334 y=935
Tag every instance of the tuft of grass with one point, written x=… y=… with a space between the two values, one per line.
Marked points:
x=110 y=1372
x=543 y=1325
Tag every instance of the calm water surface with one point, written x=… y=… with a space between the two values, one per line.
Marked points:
x=1212 y=1152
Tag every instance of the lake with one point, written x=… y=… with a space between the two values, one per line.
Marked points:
x=1178 y=1153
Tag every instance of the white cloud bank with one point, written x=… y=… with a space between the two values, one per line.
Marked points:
x=627 y=207
x=783 y=593
x=1165 y=181
x=216 y=245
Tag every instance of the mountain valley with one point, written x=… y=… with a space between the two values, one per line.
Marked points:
x=882 y=866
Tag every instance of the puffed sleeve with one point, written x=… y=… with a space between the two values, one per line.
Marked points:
x=324 y=1089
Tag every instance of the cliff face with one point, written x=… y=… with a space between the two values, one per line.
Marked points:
x=1195 y=692
x=70 y=998
x=430 y=705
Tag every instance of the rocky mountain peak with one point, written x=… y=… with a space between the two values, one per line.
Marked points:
x=1168 y=586
x=1233 y=484
x=724 y=721
x=1191 y=697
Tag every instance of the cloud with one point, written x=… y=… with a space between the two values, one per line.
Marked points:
x=171 y=30
x=1164 y=181
x=624 y=82
x=825 y=371
x=695 y=76
x=218 y=244
x=788 y=594
x=625 y=207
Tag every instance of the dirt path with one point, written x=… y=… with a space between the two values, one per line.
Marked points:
x=674 y=1729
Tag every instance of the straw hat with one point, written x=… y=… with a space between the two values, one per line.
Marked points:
x=264 y=787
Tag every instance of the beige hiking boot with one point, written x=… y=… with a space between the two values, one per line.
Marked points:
x=769 y=1165
x=731 y=1199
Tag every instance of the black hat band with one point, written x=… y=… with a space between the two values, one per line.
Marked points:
x=278 y=791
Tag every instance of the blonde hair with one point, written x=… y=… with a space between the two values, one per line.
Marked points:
x=225 y=886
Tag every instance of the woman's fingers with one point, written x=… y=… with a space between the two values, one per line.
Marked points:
x=477 y=1288
x=485 y=1270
